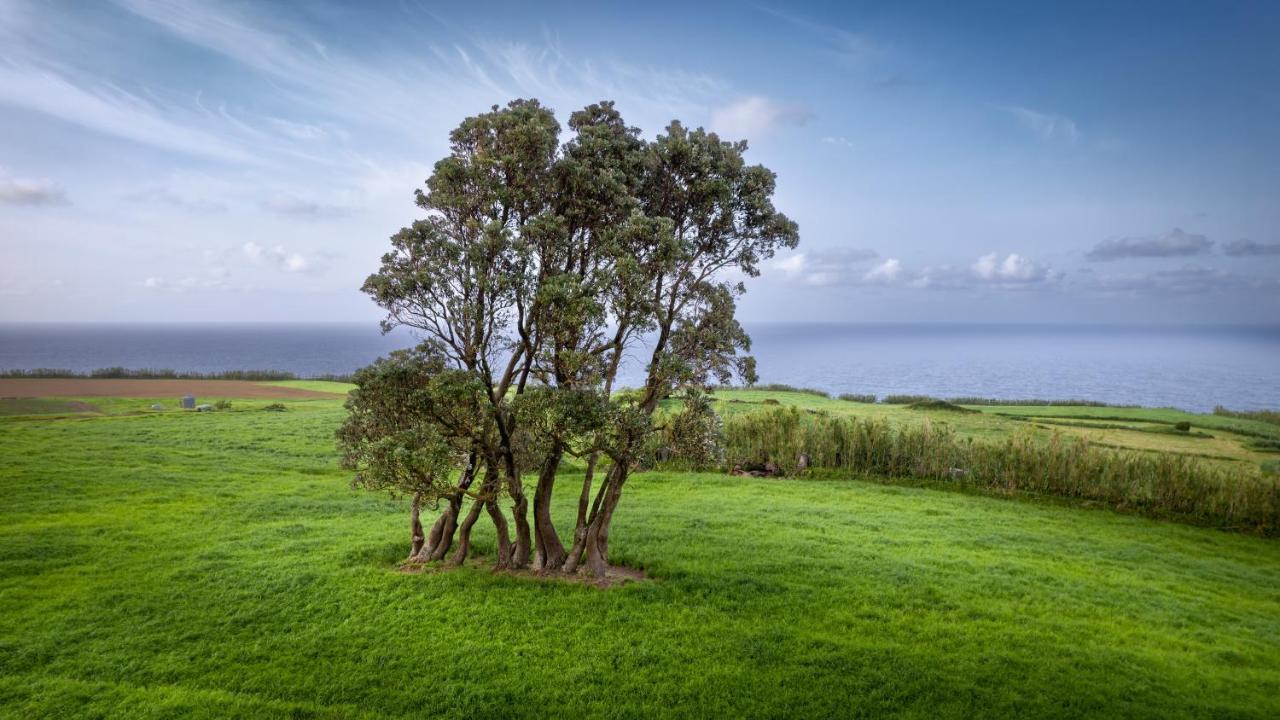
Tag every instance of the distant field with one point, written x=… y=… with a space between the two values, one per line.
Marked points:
x=169 y=564
x=323 y=386
x=1144 y=429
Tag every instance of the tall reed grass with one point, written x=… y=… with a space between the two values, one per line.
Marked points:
x=1155 y=484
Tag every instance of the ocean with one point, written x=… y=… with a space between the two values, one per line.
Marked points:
x=1193 y=368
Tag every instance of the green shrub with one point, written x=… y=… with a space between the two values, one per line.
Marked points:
x=222 y=405
x=693 y=435
x=851 y=397
x=939 y=405
x=782 y=387
x=905 y=399
x=1032 y=402
x=275 y=407
x=770 y=401
x=1183 y=426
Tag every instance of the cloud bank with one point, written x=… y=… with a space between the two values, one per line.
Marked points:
x=1175 y=243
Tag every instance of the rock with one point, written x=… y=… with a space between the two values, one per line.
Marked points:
x=802 y=462
x=157 y=406
x=204 y=408
x=956 y=472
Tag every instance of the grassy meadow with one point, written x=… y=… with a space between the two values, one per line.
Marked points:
x=172 y=564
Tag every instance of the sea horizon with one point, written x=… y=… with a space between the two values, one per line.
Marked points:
x=1189 y=366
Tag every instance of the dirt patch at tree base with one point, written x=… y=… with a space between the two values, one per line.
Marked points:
x=616 y=575
x=113 y=387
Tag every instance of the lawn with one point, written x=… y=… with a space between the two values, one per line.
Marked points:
x=168 y=564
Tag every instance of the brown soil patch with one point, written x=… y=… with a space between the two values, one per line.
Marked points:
x=615 y=576
x=105 y=387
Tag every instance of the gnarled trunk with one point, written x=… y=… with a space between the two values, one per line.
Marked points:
x=580 y=525
x=522 y=552
x=597 y=541
x=503 y=560
x=550 y=551
x=464 y=533
x=440 y=539
x=448 y=524
x=417 y=537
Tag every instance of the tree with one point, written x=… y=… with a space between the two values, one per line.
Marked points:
x=540 y=266
x=411 y=425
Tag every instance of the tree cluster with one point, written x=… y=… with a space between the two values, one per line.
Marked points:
x=540 y=267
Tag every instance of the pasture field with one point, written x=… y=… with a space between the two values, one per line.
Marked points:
x=171 y=564
x=1214 y=438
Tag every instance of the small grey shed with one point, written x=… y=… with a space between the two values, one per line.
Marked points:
x=188 y=402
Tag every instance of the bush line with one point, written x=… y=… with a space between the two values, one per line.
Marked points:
x=1159 y=485
x=120 y=373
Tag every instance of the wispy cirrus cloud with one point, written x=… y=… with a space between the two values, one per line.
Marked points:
x=99 y=105
x=1046 y=126
x=1175 y=243
x=837 y=42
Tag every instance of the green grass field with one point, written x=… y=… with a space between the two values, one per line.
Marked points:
x=1149 y=429
x=169 y=564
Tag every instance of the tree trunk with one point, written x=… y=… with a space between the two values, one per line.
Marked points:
x=418 y=538
x=580 y=526
x=433 y=538
x=464 y=534
x=450 y=520
x=597 y=542
x=503 y=561
x=522 y=553
x=551 y=553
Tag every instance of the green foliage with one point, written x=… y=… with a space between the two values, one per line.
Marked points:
x=782 y=387
x=222 y=405
x=1182 y=426
x=1151 y=484
x=852 y=397
x=694 y=435
x=1266 y=416
x=939 y=405
x=1264 y=444
x=1034 y=402
x=275 y=407
x=409 y=425
x=905 y=399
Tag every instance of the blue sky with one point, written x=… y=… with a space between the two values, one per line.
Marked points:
x=1013 y=162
